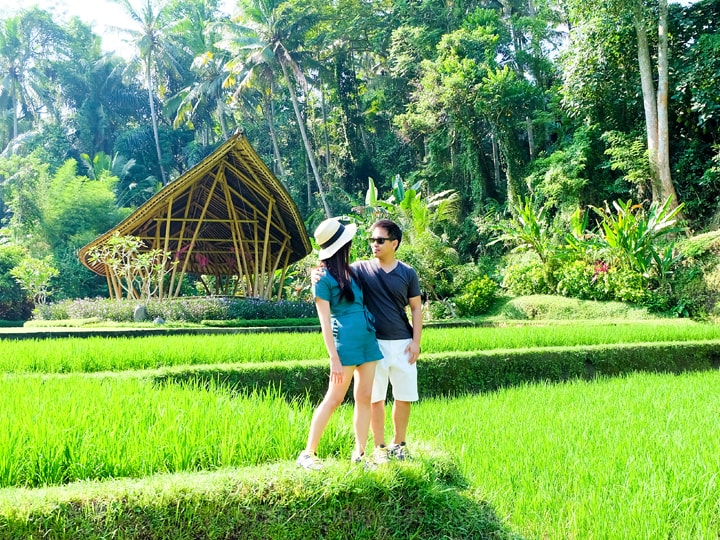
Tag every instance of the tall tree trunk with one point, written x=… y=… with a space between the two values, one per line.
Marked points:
x=325 y=128
x=14 y=91
x=221 y=120
x=153 y=116
x=531 y=137
x=496 y=160
x=269 y=110
x=656 y=104
x=308 y=183
x=663 y=151
x=303 y=133
x=649 y=100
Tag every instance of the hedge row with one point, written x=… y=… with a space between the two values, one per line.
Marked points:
x=418 y=499
x=455 y=373
x=255 y=323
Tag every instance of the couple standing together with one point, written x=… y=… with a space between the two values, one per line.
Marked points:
x=367 y=335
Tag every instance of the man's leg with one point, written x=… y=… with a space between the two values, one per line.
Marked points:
x=401 y=418
x=379 y=392
x=377 y=422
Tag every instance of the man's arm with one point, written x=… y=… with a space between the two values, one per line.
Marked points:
x=416 y=314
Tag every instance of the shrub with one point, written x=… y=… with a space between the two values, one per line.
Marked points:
x=526 y=277
x=464 y=274
x=437 y=310
x=579 y=279
x=14 y=304
x=478 y=297
x=627 y=285
x=255 y=308
x=696 y=282
x=188 y=309
x=559 y=307
x=55 y=311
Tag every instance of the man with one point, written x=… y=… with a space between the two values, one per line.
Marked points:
x=390 y=285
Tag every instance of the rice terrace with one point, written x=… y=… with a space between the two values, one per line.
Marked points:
x=189 y=436
x=201 y=202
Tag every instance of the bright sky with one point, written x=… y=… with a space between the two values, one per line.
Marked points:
x=103 y=15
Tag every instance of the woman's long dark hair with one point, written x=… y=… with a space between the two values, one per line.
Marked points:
x=339 y=267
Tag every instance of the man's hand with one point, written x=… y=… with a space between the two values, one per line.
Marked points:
x=316 y=273
x=414 y=351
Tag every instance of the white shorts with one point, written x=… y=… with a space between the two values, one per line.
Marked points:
x=395 y=368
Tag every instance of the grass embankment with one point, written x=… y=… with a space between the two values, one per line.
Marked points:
x=416 y=500
x=95 y=354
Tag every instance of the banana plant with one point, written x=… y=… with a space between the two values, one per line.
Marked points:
x=414 y=213
x=527 y=229
x=633 y=234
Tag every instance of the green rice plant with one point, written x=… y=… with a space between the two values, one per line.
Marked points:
x=95 y=354
x=98 y=354
x=562 y=335
x=62 y=429
x=632 y=457
x=635 y=457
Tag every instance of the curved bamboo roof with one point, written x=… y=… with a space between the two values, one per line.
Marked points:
x=227 y=216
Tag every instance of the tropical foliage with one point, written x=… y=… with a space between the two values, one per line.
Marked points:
x=452 y=112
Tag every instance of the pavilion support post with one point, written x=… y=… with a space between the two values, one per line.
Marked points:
x=166 y=248
x=172 y=291
x=256 y=240
x=196 y=232
x=267 y=279
x=271 y=277
x=236 y=231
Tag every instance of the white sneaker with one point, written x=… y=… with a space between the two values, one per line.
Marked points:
x=398 y=451
x=309 y=460
x=380 y=455
x=360 y=459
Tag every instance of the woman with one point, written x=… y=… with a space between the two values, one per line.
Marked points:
x=349 y=336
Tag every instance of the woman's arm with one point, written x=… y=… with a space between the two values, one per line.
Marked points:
x=323 y=309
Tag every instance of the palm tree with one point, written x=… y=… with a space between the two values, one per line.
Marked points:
x=204 y=98
x=255 y=89
x=27 y=41
x=154 y=42
x=101 y=99
x=268 y=33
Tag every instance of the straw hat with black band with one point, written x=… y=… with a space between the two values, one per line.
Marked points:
x=331 y=235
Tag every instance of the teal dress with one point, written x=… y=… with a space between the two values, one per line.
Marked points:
x=353 y=327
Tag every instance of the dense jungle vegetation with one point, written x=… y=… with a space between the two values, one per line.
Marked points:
x=583 y=132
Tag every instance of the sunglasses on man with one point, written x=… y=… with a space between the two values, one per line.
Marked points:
x=379 y=241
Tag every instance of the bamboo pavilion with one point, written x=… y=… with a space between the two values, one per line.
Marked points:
x=228 y=217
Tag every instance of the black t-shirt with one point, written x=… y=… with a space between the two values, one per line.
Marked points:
x=402 y=283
